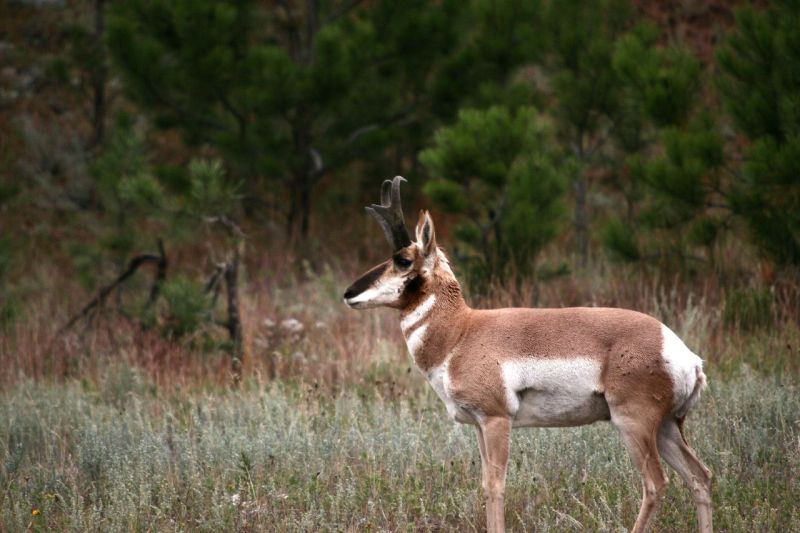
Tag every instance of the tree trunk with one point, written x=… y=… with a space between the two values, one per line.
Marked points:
x=234 y=323
x=299 y=205
x=160 y=276
x=98 y=76
x=305 y=208
x=303 y=176
x=291 y=215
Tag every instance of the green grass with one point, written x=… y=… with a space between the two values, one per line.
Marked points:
x=129 y=456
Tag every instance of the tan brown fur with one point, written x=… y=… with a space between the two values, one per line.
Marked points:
x=466 y=349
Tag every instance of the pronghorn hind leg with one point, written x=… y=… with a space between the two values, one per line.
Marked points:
x=680 y=456
x=484 y=467
x=496 y=433
x=639 y=436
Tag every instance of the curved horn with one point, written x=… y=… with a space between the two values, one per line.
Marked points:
x=390 y=214
x=386 y=193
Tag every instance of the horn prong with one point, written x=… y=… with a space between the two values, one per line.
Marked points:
x=396 y=194
x=386 y=193
x=390 y=214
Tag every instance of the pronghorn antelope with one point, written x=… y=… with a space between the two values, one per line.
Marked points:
x=499 y=369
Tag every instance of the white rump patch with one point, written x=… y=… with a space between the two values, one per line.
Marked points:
x=415 y=340
x=685 y=368
x=418 y=313
x=554 y=392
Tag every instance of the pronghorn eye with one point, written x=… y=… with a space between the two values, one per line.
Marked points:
x=402 y=262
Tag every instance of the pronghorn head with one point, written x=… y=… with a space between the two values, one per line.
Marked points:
x=398 y=281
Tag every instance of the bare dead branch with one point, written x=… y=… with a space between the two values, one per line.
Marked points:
x=160 y=277
x=213 y=286
x=159 y=260
x=234 y=323
x=228 y=224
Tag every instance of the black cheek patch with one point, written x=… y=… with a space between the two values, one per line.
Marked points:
x=365 y=282
x=412 y=286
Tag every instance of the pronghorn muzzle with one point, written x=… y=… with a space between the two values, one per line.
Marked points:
x=362 y=285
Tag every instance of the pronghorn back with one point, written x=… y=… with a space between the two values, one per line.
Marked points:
x=503 y=368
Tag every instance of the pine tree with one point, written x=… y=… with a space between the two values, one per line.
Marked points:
x=580 y=46
x=293 y=92
x=670 y=154
x=493 y=169
x=760 y=61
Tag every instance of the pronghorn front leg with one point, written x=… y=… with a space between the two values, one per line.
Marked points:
x=496 y=432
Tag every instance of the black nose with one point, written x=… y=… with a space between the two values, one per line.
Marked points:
x=349 y=293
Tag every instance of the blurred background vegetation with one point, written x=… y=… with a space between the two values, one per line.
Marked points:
x=182 y=186
x=566 y=148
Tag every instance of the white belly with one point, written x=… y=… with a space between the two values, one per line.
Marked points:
x=554 y=392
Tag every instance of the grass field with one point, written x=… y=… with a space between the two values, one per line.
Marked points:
x=112 y=428
x=129 y=456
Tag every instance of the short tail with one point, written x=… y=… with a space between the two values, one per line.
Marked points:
x=699 y=385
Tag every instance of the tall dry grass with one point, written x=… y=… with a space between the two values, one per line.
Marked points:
x=108 y=426
x=296 y=326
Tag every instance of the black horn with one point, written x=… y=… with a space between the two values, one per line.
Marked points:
x=390 y=214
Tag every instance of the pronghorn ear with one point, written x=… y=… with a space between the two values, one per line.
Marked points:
x=426 y=236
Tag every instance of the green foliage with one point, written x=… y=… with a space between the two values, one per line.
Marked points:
x=288 y=94
x=9 y=311
x=141 y=192
x=7 y=192
x=748 y=308
x=674 y=159
x=761 y=66
x=613 y=88
x=662 y=82
x=9 y=307
x=134 y=194
x=187 y=306
x=493 y=170
x=173 y=202
x=618 y=238
x=210 y=193
x=123 y=157
x=85 y=257
x=500 y=37
x=682 y=179
x=580 y=49
x=127 y=191
x=273 y=99
x=759 y=62
x=705 y=231
x=535 y=209
x=6 y=257
x=767 y=196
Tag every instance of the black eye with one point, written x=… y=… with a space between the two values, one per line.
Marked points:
x=402 y=262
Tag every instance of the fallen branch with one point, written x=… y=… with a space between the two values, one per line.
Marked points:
x=160 y=260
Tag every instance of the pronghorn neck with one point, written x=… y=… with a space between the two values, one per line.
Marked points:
x=432 y=319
